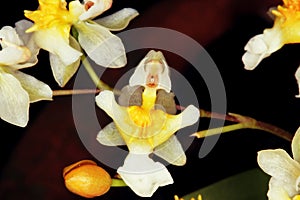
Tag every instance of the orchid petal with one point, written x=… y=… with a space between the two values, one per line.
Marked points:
x=106 y=101
x=13 y=54
x=52 y=41
x=256 y=52
x=14 y=101
x=21 y=27
x=189 y=116
x=110 y=136
x=281 y=166
x=296 y=146
x=95 y=8
x=101 y=46
x=276 y=191
x=171 y=151
x=173 y=123
x=62 y=74
x=143 y=175
x=9 y=34
x=261 y=46
x=37 y=90
x=13 y=51
x=153 y=65
x=118 y=20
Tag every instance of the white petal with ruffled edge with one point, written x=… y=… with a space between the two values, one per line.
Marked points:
x=143 y=175
x=110 y=136
x=118 y=20
x=296 y=146
x=37 y=90
x=101 y=45
x=281 y=166
x=260 y=47
x=14 y=100
x=171 y=151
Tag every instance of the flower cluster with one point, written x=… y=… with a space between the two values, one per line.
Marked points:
x=17 y=89
x=67 y=31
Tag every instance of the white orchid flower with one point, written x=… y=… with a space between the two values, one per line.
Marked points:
x=52 y=26
x=17 y=89
x=285 y=30
x=285 y=171
x=146 y=122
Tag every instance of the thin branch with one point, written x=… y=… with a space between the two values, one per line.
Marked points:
x=99 y=83
x=219 y=130
x=74 y=92
x=243 y=122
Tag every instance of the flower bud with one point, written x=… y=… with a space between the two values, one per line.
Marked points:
x=86 y=179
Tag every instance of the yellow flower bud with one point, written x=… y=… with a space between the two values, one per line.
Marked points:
x=86 y=179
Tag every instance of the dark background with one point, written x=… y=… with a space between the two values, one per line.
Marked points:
x=33 y=157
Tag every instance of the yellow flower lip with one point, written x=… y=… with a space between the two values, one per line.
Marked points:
x=139 y=116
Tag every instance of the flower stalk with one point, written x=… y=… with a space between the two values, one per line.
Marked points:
x=118 y=183
x=243 y=122
x=74 y=92
x=99 y=84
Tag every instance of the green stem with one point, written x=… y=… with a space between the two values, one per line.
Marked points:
x=73 y=92
x=243 y=122
x=215 y=131
x=100 y=84
x=274 y=130
x=118 y=183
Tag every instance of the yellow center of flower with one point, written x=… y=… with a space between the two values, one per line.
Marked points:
x=297 y=197
x=288 y=21
x=148 y=127
x=139 y=116
x=145 y=117
x=51 y=14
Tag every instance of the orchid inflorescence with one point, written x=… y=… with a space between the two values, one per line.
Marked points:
x=145 y=115
x=51 y=31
